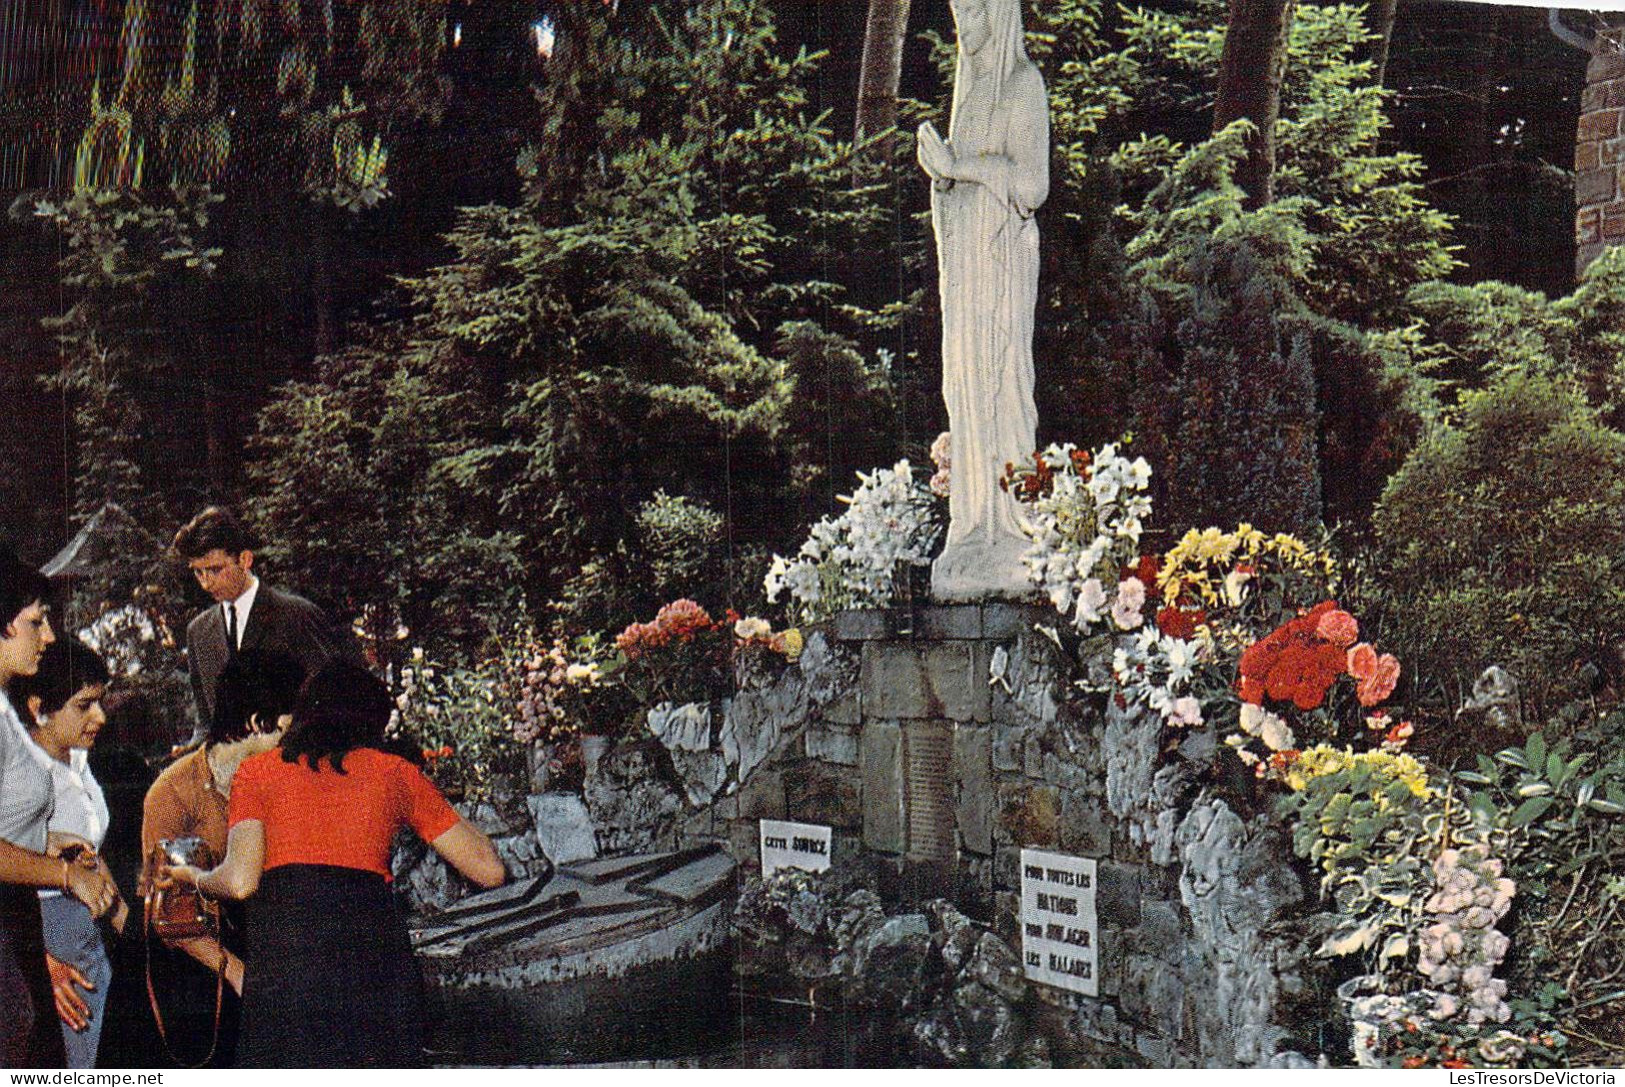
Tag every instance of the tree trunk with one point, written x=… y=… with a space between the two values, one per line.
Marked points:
x=882 y=70
x=1250 y=72
x=1381 y=13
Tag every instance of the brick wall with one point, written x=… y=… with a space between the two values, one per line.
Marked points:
x=1599 y=152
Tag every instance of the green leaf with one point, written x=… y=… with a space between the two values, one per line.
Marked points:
x=1472 y=778
x=1530 y=810
x=1607 y=807
x=1348 y=942
x=1487 y=767
x=1535 y=751
x=1557 y=771
x=1513 y=756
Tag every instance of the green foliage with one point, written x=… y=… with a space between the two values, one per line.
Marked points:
x=1144 y=94
x=1237 y=411
x=1596 y=313
x=1561 y=802
x=1373 y=838
x=123 y=253
x=657 y=315
x=1482 y=331
x=677 y=548
x=1348 y=235
x=367 y=483
x=1500 y=541
x=460 y=719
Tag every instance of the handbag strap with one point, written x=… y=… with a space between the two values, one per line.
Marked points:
x=152 y=992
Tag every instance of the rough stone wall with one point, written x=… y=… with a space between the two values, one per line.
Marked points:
x=1200 y=963
x=1599 y=152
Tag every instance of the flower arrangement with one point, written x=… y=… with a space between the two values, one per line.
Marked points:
x=1290 y=676
x=1084 y=513
x=850 y=561
x=682 y=655
x=459 y=719
x=553 y=686
x=1219 y=570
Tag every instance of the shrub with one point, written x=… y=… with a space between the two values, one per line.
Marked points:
x=1501 y=541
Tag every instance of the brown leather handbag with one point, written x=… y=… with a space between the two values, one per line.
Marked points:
x=178 y=912
x=181 y=913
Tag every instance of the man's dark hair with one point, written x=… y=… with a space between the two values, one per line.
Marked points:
x=67 y=666
x=254 y=683
x=215 y=527
x=341 y=707
x=20 y=586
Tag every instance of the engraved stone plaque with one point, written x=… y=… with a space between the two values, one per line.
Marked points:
x=930 y=803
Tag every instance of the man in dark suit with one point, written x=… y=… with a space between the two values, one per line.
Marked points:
x=246 y=614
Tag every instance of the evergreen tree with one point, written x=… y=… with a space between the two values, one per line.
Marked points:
x=664 y=309
x=1236 y=407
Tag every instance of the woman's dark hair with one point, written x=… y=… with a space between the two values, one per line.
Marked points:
x=340 y=708
x=67 y=667
x=214 y=528
x=254 y=683
x=20 y=586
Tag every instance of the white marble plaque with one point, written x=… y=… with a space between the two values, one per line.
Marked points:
x=794 y=845
x=1059 y=934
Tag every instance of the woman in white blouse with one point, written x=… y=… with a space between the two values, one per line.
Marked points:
x=63 y=702
x=29 y=1035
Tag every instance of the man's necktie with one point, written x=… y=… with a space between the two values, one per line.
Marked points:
x=231 y=629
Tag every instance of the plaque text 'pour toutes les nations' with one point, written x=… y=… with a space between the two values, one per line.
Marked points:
x=1059 y=933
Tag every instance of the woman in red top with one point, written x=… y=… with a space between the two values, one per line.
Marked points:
x=329 y=975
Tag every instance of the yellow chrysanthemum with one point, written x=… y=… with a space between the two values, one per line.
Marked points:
x=1198 y=564
x=1321 y=760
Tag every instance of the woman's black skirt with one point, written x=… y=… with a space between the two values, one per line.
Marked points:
x=329 y=978
x=30 y=1036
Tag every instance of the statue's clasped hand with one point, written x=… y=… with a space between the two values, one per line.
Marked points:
x=936 y=157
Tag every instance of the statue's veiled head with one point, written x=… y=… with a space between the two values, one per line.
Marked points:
x=990 y=29
x=973 y=24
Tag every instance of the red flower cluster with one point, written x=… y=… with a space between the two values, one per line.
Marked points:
x=677 y=622
x=1299 y=661
x=1295 y=662
x=1178 y=622
x=1146 y=570
x=1029 y=482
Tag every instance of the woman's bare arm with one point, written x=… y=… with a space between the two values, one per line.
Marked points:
x=466 y=848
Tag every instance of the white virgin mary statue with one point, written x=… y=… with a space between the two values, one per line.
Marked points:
x=988 y=178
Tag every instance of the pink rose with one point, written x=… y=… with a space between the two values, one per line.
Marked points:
x=1381 y=682
x=1338 y=627
x=1362 y=661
